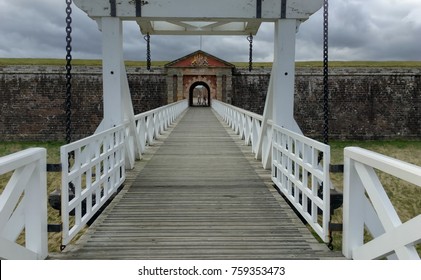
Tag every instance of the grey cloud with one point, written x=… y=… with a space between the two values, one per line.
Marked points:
x=359 y=30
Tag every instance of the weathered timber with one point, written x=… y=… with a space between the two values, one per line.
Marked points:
x=198 y=195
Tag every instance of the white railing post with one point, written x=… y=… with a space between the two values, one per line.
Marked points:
x=23 y=205
x=367 y=206
x=353 y=228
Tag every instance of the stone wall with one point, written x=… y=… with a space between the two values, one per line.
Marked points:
x=365 y=103
x=33 y=108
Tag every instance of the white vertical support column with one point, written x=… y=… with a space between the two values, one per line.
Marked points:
x=284 y=76
x=112 y=52
x=279 y=104
x=116 y=93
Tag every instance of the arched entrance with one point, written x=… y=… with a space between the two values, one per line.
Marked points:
x=199 y=95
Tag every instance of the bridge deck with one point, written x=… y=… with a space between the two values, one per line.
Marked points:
x=197 y=195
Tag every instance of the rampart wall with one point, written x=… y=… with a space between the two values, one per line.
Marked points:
x=365 y=103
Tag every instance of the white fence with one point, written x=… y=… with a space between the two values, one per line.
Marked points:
x=294 y=160
x=151 y=124
x=248 y=126
x=300 y=169
x=94 y=175
x=367 y=206
x=98 y=167
x=23 y=205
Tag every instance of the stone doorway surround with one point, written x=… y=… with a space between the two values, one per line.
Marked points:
x=199 y=68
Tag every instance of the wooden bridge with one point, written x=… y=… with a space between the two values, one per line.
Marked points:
x=198 y=195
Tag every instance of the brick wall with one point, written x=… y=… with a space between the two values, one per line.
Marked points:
x=366 y=103
x=32 y=100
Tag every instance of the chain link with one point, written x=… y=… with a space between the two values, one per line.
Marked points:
x=326 y=71
x=69 y=71
x=250 y=39
x=148 y=51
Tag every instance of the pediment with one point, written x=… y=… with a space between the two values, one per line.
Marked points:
x=199 y=59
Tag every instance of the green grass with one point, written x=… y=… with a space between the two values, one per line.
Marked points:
x=405 y=197
x=53 y=181
x=93 y=62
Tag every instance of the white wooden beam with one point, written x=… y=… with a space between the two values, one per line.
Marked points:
x=157 y=12
x=200 y=9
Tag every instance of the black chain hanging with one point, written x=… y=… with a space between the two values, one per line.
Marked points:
x=326 y=90
x=148 y=51
x=69 y=71
x=250 y=39
x=68 y=102
x=326 y=71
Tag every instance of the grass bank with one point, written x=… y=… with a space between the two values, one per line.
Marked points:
x=97 y=62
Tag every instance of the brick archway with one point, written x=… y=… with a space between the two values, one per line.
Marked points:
x=199 y=67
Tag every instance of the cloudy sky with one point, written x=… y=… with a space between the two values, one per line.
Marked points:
x=359 y=30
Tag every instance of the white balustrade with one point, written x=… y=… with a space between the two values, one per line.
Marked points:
x=300 y=169
x=98 y=167
x=300 y=165
x=367 y=206
x=246 y=124
x=150 y=124
x=23 y=205
x=93 y=176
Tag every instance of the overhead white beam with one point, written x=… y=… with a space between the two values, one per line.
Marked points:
x=215 y=9
x=146 y=12
x=172 y=27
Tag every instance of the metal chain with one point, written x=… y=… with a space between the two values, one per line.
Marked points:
x=148 y=51
x=68 y=102
x=326 y=71
x=326 y=88
x=250 y=39
x=69 y=72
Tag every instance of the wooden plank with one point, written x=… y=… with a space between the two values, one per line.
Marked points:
x=199 y=197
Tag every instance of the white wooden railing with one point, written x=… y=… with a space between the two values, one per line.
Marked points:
x=300 y=169
x=94 y=175
x=98 y=167
x=251 y=127
x=149 y=125
x=23 y=205
x=294 y=160
x=367 y=206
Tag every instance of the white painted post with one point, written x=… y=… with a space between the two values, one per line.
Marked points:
x=279 y=104
x=116 y=93
x=353 y=218
x=112 y=51
x=36 y=235
x=284 y=80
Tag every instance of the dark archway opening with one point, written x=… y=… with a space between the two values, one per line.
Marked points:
x=199 y=95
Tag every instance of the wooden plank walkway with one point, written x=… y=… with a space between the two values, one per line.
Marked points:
x=196 y=195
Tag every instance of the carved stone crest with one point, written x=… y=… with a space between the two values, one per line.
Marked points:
x=200 y=60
